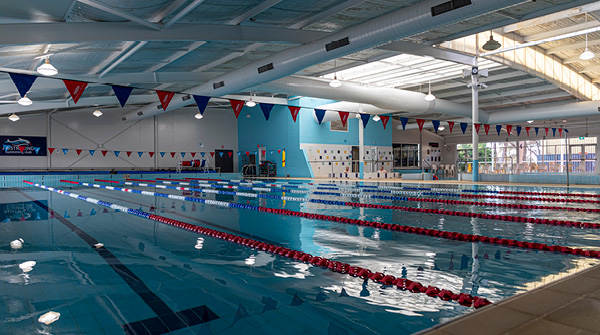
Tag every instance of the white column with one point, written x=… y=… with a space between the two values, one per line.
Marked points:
x=597 y=153
x=475 y=137
x=361 y=144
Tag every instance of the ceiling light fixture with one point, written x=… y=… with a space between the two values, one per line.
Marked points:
x=198 y=116
x=47 y=69
x=429 y=96
x=14 y=117
x=376 y=118
x=491 y=44
x=587 y=54
x=335 y=83
x=440 y=128
x=97 y=113
x=250 y=103
x=530 y=121
x=25 y=101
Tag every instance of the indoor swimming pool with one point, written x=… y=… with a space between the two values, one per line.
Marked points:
x=128 y=259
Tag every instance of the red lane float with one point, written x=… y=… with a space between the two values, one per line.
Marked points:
x=582 y=195
x=477 y=196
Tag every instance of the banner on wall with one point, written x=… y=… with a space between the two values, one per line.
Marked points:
x=23 y=146
x=23 y=211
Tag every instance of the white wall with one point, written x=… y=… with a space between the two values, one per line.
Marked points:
x=175 y=131
x=333 y=158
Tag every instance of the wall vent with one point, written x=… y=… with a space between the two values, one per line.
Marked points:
x=265 y=68
x=449 y=6
x=218 y=85
x=337 y=44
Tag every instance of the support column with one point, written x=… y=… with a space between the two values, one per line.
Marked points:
x=361 y=145
x=475 y=139
x=597 y=165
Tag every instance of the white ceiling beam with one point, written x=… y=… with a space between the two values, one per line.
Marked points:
x=562 y=31
x=552 y=17
x=120 y=13
x=114 y=56
x=172 y=7
x=572 y=46
x=73 y=32
x=592 y=68
x=254 y=11
x=483 y=95
x=176 y=56
x=122 y=58
x=525 y=99
x=184 y=12
x=425 y=50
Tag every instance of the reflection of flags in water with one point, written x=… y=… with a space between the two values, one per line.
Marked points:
x=283 y=158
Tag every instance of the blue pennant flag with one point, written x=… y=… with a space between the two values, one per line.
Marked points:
x=202 y=153
x=536 y=130
x=404 y=121
x=182 y=154
x=140 y=153
x=553 y=132
x=436 y=125
x=221 y=153
x=92 y=152
x=271 y=152
x=117 y=153
x=122 y=93
x=37 y=149
x=365 y=119
x=239 y=153
x=566 y=130
x=320 y=113
x=65 y=151
x=498 y=128
x=5 y=147
x=519 y=131
x=162 y=154
x=463 y=126
x=201 y=102
x=23 y=82
x=266 y=109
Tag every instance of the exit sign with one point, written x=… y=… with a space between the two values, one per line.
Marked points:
x=581 y=138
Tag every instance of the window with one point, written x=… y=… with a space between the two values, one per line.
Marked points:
x=406 y=155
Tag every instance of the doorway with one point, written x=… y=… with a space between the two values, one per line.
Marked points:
x=355 y=159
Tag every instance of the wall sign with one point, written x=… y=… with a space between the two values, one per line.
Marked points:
x=23 y=146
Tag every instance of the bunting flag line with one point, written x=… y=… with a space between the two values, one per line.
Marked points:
x=463 y=127
x=365 y=119
x=92 y=152
x=508 y=129
x=486 y=127
x=162 y=154
x=320 y=113
x=173 y=154
x=104 y=152
x=212 y=154
x=201 y=102
x=63 y=150
x=404 y=121
x=140 y=153
x=450 y=126
x=498 y=128
x=165 y=98
x=420 y=123
x=477 y=127
x=436 y=125
x=75 y=88
x=23 y=82
x=237 y=106
x=266 y=109
x=294 y=111
x=128 y=153
x=78 y=151
x=519 y=128
x=117 y=153
x=182 y=154
x=151 y=153
x=384 y=120
x=122 y=93
x=344 y=117
x=193 y=154
x=527 y=130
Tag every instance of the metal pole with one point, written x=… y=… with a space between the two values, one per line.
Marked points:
x=361 y=145
x=475 y=105
x=568 y=150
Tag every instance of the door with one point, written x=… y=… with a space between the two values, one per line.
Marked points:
x=355 y=159
x=224 y=160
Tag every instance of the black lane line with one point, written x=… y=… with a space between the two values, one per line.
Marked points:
x=166 y=320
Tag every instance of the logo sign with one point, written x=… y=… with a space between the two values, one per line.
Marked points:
x=23 y=146
x=23 y=211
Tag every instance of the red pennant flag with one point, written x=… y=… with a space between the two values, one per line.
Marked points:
x=477 y=127
x=547 y=131
x=76 y=88
x=78 y=151
x=21 y=148
x=559 y=132
x=51 y=150
x=450 y=126
x=508 y=129
x=230 y=153
x=212 y=154
x=237 y=106
x=128 y=153
x=486 y=127
x=193 y=154
x=420 y=122
x=279 y=151
x=165 y=98
x=247 y=153
x=294 y=110
x=527 y=130
x=104 y=152
x=344 y=117
x=172 y=154
x=151 y=153
x=264 y=152
x=384 y=121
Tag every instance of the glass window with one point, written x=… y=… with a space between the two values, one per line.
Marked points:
x=406 y=155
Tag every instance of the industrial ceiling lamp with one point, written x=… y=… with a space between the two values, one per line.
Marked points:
x=376 y=118
x=491 y=44
x=97 y=113
x=250 y=103
x=335 y=83
x=25 y=101
x=198 y=116
x=587 y=54
x=429 y=96
x=47 y=69
x=14 y=117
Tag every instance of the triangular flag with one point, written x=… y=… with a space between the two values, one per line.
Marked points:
x=266 y=109
x=508 y=129
x=278 y=151
x=37 y=149
x=162 y=154
x=519 y=128
x=22 y=148
x=498 y=128
x=202 y=154
x=436 y=125
x=63 y=150
x=78 y=151
x=239 y=153
x=553 y=132
x=365 y=119
x=212 y=154
x=151 y=153
x=237 y=106
x=320 y=113
x=201 y=102
x=165 y=98
x=92 y=152
x=104 y=152
x=230 y=153
x=536 y=130
x=477 y=127
x=420 y=123
x=486 y=127
x=76 y=88
x=140 y=153
x=247 y=153
x=116 y=153
x=566 y=130
x=264 y=152
x=182 y=154
x=294 y=110
x=560 y=132
x=344 y=117
x=122 y=93
x=450 y=126
x=128 y=153
x=23 y=82
x=547 y=131
x=527 y=130
x=463 y=126
x=384 y=120
x=172 y=154
x=221 y=153
x=193 y=154
x=404 y=121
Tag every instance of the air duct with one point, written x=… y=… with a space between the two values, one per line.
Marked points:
x=404 y=22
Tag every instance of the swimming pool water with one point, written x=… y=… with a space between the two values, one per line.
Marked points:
x=156 y=277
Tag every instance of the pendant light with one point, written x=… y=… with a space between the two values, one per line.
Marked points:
x=250 y=103
x=335 y=83
x=25 y=101
x=14 y=117
x=97 y=113
x=198 y=116
x=376 y=118
x=47 y=69
x=587 y=54
x=429 y=96
x=491 y=44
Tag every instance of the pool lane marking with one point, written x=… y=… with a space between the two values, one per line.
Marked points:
x=388 y=226
x=334 y=266
x=169 y=319
x=509 y=218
